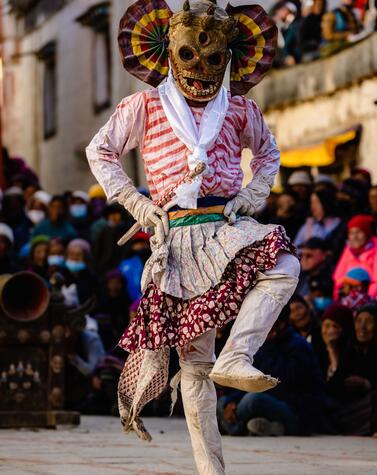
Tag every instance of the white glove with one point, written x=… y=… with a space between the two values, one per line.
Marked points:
x=250 y=199
x=241 y=204
x=145 y=212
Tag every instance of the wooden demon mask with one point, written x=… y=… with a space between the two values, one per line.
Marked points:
x=200 y=41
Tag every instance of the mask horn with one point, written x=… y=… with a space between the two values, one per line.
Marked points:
x=186 y=6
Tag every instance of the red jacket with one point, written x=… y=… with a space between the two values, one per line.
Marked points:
x=366 y=260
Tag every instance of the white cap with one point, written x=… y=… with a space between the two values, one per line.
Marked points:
x=321 y=178
x=13 y=191
x=299 y=177
x=6 y=231
x=82 y=195
x=42 y=196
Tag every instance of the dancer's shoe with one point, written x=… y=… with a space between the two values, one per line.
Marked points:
x=241 y=375
x=264 y=428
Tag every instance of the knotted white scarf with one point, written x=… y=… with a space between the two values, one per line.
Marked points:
x=197 y=140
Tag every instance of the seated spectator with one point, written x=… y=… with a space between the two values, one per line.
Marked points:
x=86 y=354
x=362 y=175
x=97 y=203
x=38 y=256
x=286 y=214
x=107 y=254
x=336 y=330
x=80 y=217
x=56 y=253
x=354 y=291
x=302 y=319
x=14 y=166
x=322 y=223
x=112 y=313
x=372 y=199
x=78 y=262
x=294 y=406
x=316 y=263
x=132 y=267
x=339 y=27
x=37 y=206
x=360 y=251
x=13 y=211
x=56 y=224
x=356 y=381
x=8 y=263
x=300 y=183
x=320 y=296
x=310 y=34
x=102 y=398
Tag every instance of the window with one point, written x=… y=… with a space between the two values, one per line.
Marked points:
x=48 y=56
x=97 y=18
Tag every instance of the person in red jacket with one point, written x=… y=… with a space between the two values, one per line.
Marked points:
x=360 y=251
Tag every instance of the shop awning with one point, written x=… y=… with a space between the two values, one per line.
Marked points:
x=319 y=154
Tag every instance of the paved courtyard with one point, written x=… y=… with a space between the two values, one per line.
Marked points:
x=98 y=447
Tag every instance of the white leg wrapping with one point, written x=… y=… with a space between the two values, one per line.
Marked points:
x=199 y=402
x=257 y=315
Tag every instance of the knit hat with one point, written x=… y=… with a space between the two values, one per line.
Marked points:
x=82 y=244
x=299 y=178
x=363 y=222
x=42 y=196
x=13 y=191
x=340 y=315
x=321 y=178
x=96 y=191
x=315 y=243
x=81 y=194
x=7 y=232
x=39 y=239
x=140 y=236
x=356 y=276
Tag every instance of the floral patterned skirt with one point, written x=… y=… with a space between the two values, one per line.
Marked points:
x=223 y=278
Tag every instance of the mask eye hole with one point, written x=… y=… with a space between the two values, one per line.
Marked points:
x=186 y=54
x=203 y=38
x=215 y=59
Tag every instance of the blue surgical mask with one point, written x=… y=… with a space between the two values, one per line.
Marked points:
x=322 y=303
x=55 y=260
x=78 y=211
x=75 y=266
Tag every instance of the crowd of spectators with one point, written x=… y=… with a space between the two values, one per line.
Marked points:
x=324 y=344
x=308 y=29
x=322 y=348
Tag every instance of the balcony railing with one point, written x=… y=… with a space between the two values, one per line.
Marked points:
x=322 y=77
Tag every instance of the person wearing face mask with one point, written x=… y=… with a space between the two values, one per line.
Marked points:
x=56 y=223
x=80 y=216
x=360 y=251
x=77 y=262
x=37 y=206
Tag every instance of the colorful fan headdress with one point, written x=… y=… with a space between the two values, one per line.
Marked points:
x=143 y=43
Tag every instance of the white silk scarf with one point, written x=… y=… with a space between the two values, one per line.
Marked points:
x=197 y=140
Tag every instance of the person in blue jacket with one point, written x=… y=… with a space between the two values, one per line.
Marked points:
x=293 y=407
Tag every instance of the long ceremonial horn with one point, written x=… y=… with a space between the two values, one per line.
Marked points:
x=188 y=177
